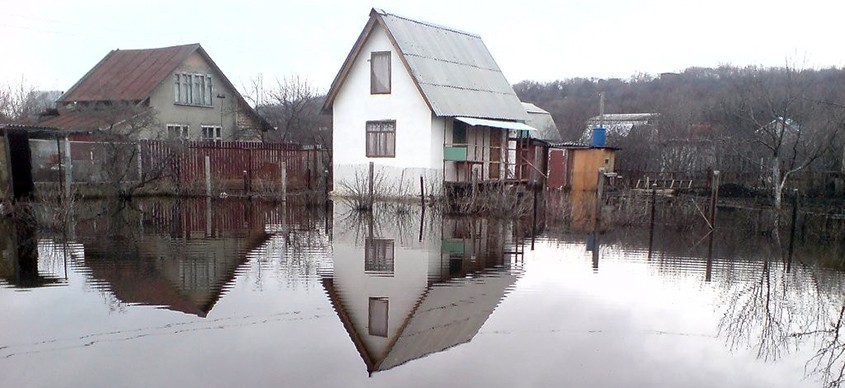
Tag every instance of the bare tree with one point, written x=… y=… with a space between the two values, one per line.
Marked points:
x=120 y=125
x=17 y=101
x=292 y=106
x=781 y=117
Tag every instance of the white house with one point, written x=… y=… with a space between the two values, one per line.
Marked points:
x=418 y=99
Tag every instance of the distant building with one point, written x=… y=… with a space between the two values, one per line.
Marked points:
x=622 y=124
x=542 y=121
x=178 y=91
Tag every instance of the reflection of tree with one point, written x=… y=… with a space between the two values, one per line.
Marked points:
x=779 y=309
x=829 y=360
x=408 y=223
x=755 y=313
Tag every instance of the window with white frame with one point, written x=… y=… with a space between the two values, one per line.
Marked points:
x=178 y=131
x=192 y=89
x=381 y=139
x=212 y=132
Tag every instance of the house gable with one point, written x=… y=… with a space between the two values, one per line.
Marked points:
x=453 y=70
x=146 y=77
x=354 y=106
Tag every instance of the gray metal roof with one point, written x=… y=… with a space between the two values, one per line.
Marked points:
x=543 y=122
x=454 y=69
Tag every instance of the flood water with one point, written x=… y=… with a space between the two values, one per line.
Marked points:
x=235 y=293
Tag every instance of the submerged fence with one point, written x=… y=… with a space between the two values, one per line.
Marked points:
x=184 y=167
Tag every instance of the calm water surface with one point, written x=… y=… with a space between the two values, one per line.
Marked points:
x=231 y=293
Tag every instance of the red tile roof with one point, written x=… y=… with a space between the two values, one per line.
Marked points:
x=128 y=75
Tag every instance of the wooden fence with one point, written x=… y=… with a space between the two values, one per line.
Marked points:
x=234 y=167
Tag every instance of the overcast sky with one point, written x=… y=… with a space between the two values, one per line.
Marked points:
x=51 y=44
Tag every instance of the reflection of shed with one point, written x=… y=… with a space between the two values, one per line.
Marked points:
x=575 y=167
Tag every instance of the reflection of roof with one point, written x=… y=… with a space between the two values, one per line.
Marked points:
x=455 y=73
x=543 y=122
x=141 y=278
x=446 y=315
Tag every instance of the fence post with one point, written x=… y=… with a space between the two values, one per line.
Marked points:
x=140 y=162
x=207 y=176
x=714 y=198
x=651 y=223
x=283 y=177
x=422 y=192
x=599 y=195
x=68 y=162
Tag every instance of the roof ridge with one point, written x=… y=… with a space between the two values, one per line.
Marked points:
x=161 y=48
x=429 y=24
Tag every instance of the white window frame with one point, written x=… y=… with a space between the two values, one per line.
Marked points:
x=211 y=132
x=194 y=89
x=178 y=131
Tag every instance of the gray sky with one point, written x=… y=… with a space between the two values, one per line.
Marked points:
x=51 y=44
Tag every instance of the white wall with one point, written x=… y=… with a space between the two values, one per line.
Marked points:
x=413 y=261
x=419 y=135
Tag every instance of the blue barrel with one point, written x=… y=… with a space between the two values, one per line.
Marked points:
x=598 y=137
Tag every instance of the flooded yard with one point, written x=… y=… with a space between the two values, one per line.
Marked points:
x=237 y=293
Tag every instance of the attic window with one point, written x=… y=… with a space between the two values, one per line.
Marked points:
x=380 y=72
x=192 y=89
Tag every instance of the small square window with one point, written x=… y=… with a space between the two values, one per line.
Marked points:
x=212 y=132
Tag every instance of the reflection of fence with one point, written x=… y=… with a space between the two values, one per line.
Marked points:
x=211 y=218
x=235 y=167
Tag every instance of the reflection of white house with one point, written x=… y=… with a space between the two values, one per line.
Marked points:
x=401 y=299
x=418 y=99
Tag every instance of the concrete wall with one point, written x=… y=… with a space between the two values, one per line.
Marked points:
x=419 y=135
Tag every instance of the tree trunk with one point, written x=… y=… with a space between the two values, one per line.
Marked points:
x=777 y=194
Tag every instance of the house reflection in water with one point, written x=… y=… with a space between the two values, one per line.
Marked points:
x=404 y=291
x=179 y=255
